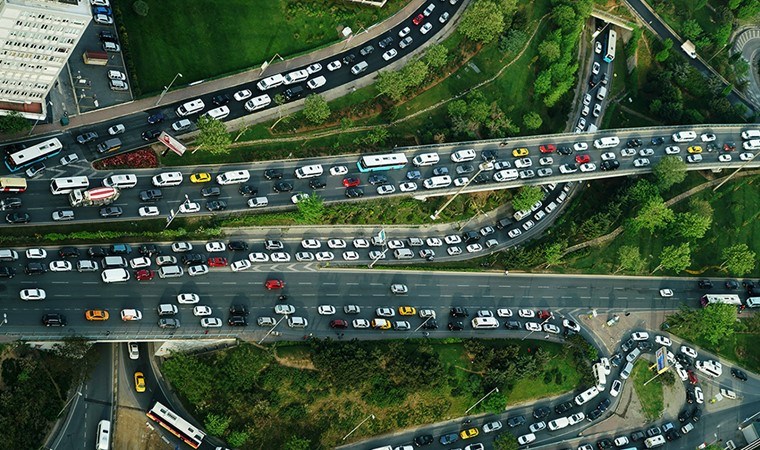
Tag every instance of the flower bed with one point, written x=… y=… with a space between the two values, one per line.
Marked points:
x=139 y=159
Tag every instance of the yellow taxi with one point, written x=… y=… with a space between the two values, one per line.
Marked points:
x=96 y=315
x=470 y=433
x=203 y=177
x=407 y=310
x=520 y=152
x=695 y=149
x=381 y=324
x=139 y=382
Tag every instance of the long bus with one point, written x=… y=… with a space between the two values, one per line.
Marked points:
x=725 y=299
x=35 y=153
x=66 y=185
x=12 y=184
x=609 y=53
x=390 y=161
x=176 y=425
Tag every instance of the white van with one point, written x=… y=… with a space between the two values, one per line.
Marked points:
x=270 y=82
x=654 y=442
x=485 y=322
x=684 y=136
x=66 y=185
x=754 y=144
x=262 y=101
x=191 y=107
x=403 y=253
x=710 y=367
x=233 y=177
x=309 y=171
x=586 y=395
x=441 y=181
x=8 y=255
x=753 y=302
x=750 y=134
x=115 y=275
x=295 y=77
x=359 y=68
x=463 y=155
x=124 y=181
x=218 y=113
x=258 y=202
x=167 y=179
x=600 y=376
x=558 y=424
x=114 y=262
x=426 y=159
x=607 y=142
x=103 y=438
x=170 y=271
x=505 y=175
x=602 y=93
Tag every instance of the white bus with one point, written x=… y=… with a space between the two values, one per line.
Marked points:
x=35 y=153
x=726 y=299
x=66 y=185
x=176 y=425
x=103 y=439
x=390 y=161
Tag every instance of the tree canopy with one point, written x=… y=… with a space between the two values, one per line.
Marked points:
x=527 y=197
x=213 y=136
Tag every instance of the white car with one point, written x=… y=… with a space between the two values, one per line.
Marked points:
x=189 y=207
x=576 y=418
x=280 y=257
x=304 y=256
x=514 y=233
x=202 y=311
x=627 y=151
x=390 y=54
x=532 y=326
x=608 y=156
x=335 y=65
x=587 y=99
x=700 y=397
x=258 y=257
x=215 y=247
x=361 y=243
x=68 y=159
x=139 y=262
x=640 y=162
x=725 y=157
x=325 y=256
x=32 y=294
x=211 y=322
x=662 y=340
x=646 y=152
x=616 y=387
x=314 y=68
x=454 y=251
x=588 y=167
x=360 y=323
x=580 y=146
x=407 y=186
x=386 y=189
x=404 y=31
x=103 y=19
x=394 y=244
x=188 y=299
x=426 y=28
x=571 y=325
x=376 y=254
x=708 y=137
x=311 y=243
x=526 y=439
x=284 y=309
x=504 y=312
x=427 y=314
x=433 y=242
x=526 y=313
x=181 y=247
x=148 y=211
x=546 y=161
x=535 y=427
x=444 y=17
x=682 y=374
x=243 y=95
x=299 y=197
x=621 y=441
x=385 y=312
x=60 y=266
x=117 y=129
x=399 y=289
x=336 y=243
x=36 y=253
x=746 y=156
x=474 y=248
x=595 y=68
x=688 y=351
x=458 y=182
x=326 y=310
x=523 y=163
x=598 y=47
x=640 y=336
x=240 y=265
x=551 y=328
x=672 y=150
x=484 y=313
x=665 y=293
x=694 y=158
x=492 y=426
x=350 y=255
x=134 y=350
x=452 y=239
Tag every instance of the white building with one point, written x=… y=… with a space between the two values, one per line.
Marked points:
x=36 y=39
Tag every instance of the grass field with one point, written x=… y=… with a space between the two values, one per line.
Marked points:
x=650 y=396
x=741 y=347
x=206 y=38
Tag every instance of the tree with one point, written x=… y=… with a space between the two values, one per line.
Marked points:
x=13 y=123
x=311 y=210
x=543 y=82
x=392 y=84
x=641 y=192
x=738 y=259
x=675 y=258
x=653 y=215
x=691 y=29
x=297 y=443
x=629 y=258
x=237 y=438
x=554 y=253
x=513 y=41
x=482 y=22
x=716 y=322
x=506 y=441
x=691 y=226
x=564 y=16
x=436 y=56
x=527 y=197
x=701 y=207
x=415 y=73
x=669 y=171
x=532 y=120
x=549 y=51
x=316 y=109
x=216 y=425
x=212 y=136
x=141 y=8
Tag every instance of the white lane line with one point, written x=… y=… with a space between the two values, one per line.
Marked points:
x=352 y=284
x=60 y=282
x=303 y=283
x=229 y=282
x=585 y=296
x=376 y=284
x=329 y=284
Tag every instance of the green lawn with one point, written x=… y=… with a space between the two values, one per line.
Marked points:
x=207 y=38
x=741 y=348
x=650 y=396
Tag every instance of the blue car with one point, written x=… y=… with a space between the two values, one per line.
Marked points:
x=447 y=439
x=413 y=175
x=156 y=118
x=101 y=10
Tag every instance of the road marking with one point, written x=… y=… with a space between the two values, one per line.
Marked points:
x=547 y=296
x=484 y=285
x=304 y=283
x=90 y=282
x=543 y=287
x=618 y=288
x=463 y=285
x=229 y=282
x=352 y=284
x=60 y=282
x=329 y=284
x=376 y=284
x=622 y=298
x=585 y=296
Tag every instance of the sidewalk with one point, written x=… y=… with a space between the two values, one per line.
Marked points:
x=249 y=76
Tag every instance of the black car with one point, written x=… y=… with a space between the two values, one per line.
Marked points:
x=672 y=435
x=634 y=143
x=562 y=408
x=151 y=195
x=738 y=374
x=439 y=171
x=156 y=118
x=367 y=50
x=515 y=421
x=470 y=236
x=348 y=59
x=221 y=99
x=211 y=191
x=385 y=42
x=458 y=311
x=87 y=137
x=464 y=169
x=110 y=211
x=645 y=346
x=512 y=325
x=238 y=310
x=696 y=413
x=354 y=192
x=149 y=250
x=247 y=190
x=456 y=325
x=35 y=268
x=732 y=284
x=604 y=404
x=168 y=323
x=653 y=431
x=316 y=183
x=430 y=325
x=593 y=415
x=190 y=259
x=684 y=416
x=705 y=284
x=10 y=203
x=97 y=252
x=746 y=284
x=541 y=412
x=628 y=345
x=481 y=178
x=604 y=443
x=637 y=436
x=282 y=186
x=237 y=321
x=376 y=180
x=108 y=36
x=68 y=252
x=489 y=155
x=150 y=135
x=216 y=205
x=18 y=217
x=683 y=359
x=658 y=140
x=565 y=150
x=54 y=320
x=273 y=174
x=425 y=439
x=7 y=272
x=612 y=164
x=237 y=246
x=616 y=359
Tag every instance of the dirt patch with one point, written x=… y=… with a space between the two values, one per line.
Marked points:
x=133 y=432
x=296 y=363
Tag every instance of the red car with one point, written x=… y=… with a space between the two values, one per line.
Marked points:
x=144 y=275
x=545 y=314
x=217 y=262
x=692 y=377
x=350 y=182
x=418 y=20
x=582 y=159
x=550 y=148
x=274 y=284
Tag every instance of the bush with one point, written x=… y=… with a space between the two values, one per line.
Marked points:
x=141 y=8
x=140 y=159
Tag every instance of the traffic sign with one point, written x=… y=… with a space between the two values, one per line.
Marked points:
x=662 y=359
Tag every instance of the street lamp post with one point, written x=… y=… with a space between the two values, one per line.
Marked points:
x=371 y=416
x=440 y=210
x=166 y=88
x=478 y=402
x=354 y=34
x=5 y=319
x=271 y=330
x=78 y=394
x=173 y=214
x=267 y=63
x=735 y=172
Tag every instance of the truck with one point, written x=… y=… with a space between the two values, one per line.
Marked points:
x=93 y=197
